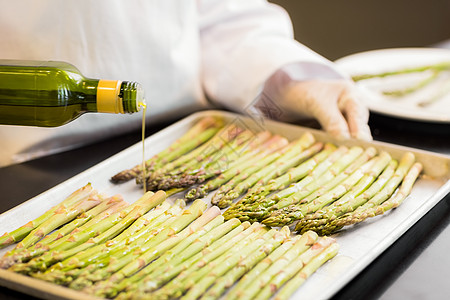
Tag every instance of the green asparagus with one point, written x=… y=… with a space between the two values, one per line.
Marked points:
x=107 y=288
x=393 y=202
x=253 y=174
x=269 y=172
x=228 y=279
x=269 y=288
x=180 y=253
x=122 y=220
x=349 y=187
x=329 y=213
x=294 y=283
x=237 y=210
x=246 y=258
x=272 y=145
x=195 y=262
x=405 y=164
x=17 y=235
x=25 y=255
x=84 y=264
x=194 y=137
x=194 y=269
x=133 y=259
x=311 y=184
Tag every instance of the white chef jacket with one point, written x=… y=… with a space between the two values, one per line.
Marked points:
x=187 y=54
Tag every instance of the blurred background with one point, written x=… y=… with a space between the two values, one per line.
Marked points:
x=336 y=28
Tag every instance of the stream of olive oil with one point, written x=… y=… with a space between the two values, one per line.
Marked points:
x=144 y=169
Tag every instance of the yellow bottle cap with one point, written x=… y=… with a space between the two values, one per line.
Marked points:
x=108 y=100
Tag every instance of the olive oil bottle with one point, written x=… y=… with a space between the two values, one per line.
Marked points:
x=53 y=93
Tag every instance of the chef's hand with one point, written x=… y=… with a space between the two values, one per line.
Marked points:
x=334 y=103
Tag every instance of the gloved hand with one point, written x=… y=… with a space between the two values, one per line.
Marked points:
x=333 y=102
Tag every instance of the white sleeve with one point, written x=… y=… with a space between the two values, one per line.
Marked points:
x=243 y=43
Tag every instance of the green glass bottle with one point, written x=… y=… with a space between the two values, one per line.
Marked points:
x=53 y=93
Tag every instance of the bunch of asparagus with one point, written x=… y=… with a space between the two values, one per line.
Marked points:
x=198 y=134
x=280 y=182
x=230 y=160
x=337 y=187
x=152 y=248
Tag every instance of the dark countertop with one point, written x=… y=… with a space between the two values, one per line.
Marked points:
x=417 y=266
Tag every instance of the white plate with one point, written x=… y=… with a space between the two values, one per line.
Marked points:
x=377 y=61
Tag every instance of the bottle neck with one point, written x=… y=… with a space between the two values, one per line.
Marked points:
x=115 y=96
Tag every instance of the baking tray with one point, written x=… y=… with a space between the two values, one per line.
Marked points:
x=359 y=244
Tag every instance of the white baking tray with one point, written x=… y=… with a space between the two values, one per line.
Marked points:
x=359 y=245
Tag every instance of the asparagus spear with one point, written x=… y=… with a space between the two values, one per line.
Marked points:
x=311 y=168
x=207 y=165
x=405 y=164
x=80 y=257
x=17 y=235
x=25 y=255
x=242 y=146
x=244 y=174
x=352 y=186
x=194 y=269
x=87 y=262
x=129 y=215
x=329 y=213
x=309 y=184
x=59 y=218
x=246 y=258
x=217 y=142
x=79 y=236
x=109 y=287
x=133 y=259
x=183 y=251
x=393 y=202
x=257 y=210
x=226 y=157
x=249 y=278
x=69 y=227
x=181 y=286
x=77 y=222
x=332 y=177
x=249 y=290
x=272 y=145
x=228 y=279
x=293 y=175
x=355 y=184
x=295 y=266
x=267 y=173
x=336 y=162
x=277 y=159
x=195 y=136
x=195 y=262
x=316 y=262
x=107 y=206
x=88 y=265
x=403 y=192
x=285 y=167
x=112 y=232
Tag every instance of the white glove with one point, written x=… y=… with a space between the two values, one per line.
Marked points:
x=333 y=102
